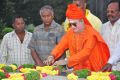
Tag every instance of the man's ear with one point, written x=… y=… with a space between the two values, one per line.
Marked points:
x=53 y=16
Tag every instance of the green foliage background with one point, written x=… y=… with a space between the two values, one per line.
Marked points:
x=30 y=10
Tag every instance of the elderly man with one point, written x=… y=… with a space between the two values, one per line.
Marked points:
x=111 y=32
x=45 y=36
x=14 y=44
x=94 y=21
x=87 y=48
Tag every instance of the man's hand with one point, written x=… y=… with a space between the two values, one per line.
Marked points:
x=107 y=67
x=50 y=60
x=36 y=58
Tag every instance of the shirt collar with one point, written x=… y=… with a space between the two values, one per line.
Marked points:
x=51 y=26
x=14 y=33
x=117 y=22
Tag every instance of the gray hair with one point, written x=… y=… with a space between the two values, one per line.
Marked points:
x=46 y=7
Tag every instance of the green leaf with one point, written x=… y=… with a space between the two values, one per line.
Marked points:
x=117 y=74
x=2 y=75
x=82 y=73
x=28 y=65
x=8 y=69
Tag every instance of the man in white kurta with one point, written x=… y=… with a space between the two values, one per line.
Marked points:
x=111 y=33
x=116 y=57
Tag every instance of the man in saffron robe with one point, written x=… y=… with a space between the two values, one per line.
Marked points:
x=87 y=48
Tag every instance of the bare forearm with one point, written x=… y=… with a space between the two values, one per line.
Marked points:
x=36 y=58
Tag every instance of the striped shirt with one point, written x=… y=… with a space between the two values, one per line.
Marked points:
x=44 y=41
x=14 y=51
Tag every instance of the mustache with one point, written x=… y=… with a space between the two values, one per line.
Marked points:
x=109 y=16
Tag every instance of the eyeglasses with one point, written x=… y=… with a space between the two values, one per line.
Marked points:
x=74 y=24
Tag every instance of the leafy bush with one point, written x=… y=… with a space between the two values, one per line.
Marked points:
x=6 y=30
x=2 y=75
x=30 y=27
x=2 y=26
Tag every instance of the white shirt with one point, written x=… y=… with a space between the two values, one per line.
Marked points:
x=0 y=55
x=116 y=57
x=14 y=51
x=111 y=35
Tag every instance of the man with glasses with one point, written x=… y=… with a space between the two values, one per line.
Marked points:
x=94 y=21
x=87 y=48
x=111 y=33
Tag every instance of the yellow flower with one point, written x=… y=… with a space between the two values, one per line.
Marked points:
x=26 y=70
x=48 y=67
x=38 y=68
x=2 y=65
x=41 y=75
x=1 y=70
x=54 y=72
x=99 y=76
x=72 y=76
x=14 y=67
x=16 y=76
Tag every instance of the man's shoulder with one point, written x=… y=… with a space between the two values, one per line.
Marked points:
x=38 y=27
x=29 y=33
x=58 y=25
x=8 y=35
x=91 y=15
x=118 y=21
x=59 y=28
x=105 y=26
x=106 y=23
x=95 y=17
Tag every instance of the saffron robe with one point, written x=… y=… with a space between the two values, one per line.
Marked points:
x=87 y=49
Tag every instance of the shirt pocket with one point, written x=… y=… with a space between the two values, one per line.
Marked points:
x=52 y=41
